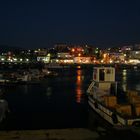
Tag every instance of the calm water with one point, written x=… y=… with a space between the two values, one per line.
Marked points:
x=58 y=102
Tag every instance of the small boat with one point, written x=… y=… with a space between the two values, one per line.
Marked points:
x=55 y=66
x=27 y=79
x=47 y=73
x=7 y=80
x=21 y=77
x=119 y=110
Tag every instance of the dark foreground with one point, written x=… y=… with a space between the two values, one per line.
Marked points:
x=54 y=134
x=68 y=134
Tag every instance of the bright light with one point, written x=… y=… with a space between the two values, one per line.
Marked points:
x=21 y=59
x=124 y=72
x=79 y=54
x=134 y=61
x=49 y=54
x=15 y=59
x=111 y=61
x=102 y=61
x=105 y=55
x=94 y=61
x=36 y=51
x=2 y=59
x=73 y=50
x=137 y=52
x=125 y=62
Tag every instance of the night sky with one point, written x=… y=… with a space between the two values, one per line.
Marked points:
x=38 y=23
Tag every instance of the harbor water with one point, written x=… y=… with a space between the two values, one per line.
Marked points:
x=59 y=102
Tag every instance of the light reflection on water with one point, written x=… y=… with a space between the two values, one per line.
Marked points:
x=48 y=92
x=25 y=89
x=129 y=79
x=79 y=84
x=124 y=80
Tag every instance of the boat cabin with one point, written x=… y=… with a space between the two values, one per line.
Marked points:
x=104 y=74
x=104 y=79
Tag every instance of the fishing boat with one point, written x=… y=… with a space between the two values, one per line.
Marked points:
x=105 y=100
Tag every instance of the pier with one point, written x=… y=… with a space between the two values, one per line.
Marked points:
x=51 y=134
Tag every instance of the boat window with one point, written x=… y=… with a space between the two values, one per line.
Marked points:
x=108 y=71
x=101 y=75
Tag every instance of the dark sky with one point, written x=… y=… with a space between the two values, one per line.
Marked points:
x=39 y=23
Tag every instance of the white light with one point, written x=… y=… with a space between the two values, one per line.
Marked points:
x=49 y=54
x=102 y=61
x=137 y=52
x=15 y=59
x=111 y=61
x=2 y=59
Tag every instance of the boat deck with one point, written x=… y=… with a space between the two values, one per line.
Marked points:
x=133 y=116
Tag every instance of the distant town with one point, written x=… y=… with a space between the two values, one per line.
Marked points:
x=73 y=54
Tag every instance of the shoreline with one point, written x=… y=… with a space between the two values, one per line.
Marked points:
x=68 y=66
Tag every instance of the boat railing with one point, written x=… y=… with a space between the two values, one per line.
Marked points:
x=90 y=87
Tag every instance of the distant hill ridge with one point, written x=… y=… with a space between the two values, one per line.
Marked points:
x=5 y=48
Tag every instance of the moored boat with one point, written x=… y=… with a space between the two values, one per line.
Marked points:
x=104 y=98
x=7 y=80
x=47 y=73
x=56 y=66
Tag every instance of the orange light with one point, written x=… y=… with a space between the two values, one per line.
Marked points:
x=79 y=54
x=73 y=50
x=79 y=86
x=105 y=55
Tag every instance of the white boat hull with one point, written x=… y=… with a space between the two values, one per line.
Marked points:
x=106 y=114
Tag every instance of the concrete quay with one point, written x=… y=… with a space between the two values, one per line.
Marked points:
x=51 y=134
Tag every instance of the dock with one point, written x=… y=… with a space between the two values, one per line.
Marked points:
x=50 y=134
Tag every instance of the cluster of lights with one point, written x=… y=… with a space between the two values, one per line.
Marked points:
x=14 y=59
